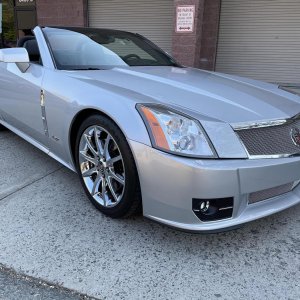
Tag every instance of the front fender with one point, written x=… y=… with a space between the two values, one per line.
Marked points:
x=66 y=97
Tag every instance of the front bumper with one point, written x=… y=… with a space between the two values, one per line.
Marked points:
x=170 y=183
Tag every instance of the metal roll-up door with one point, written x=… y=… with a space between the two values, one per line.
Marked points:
x=260 y=39
x=153 y=19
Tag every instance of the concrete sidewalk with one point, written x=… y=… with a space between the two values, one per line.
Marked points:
x=49 y=230
x=16 y=287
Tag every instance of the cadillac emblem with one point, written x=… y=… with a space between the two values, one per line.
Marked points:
x=295 y=135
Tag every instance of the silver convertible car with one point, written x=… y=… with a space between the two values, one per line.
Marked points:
x=196 y=150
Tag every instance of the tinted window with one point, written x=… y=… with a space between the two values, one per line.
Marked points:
x=88 y=48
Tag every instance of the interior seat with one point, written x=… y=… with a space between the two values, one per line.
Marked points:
x=33 y=50
x=24 y=39
x=30 y=44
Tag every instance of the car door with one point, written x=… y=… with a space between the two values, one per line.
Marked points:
x=20 y=99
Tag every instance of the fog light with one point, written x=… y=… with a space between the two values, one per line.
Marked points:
x=213 y=209
x=204 y=206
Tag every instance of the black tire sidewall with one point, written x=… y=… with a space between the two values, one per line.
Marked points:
x=132 y=186
x=2 y=128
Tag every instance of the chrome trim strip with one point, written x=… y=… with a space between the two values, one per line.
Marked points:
x=246 y=126
x=273 y=156
x=253 y=125
x=225 y=208
x=43 y=111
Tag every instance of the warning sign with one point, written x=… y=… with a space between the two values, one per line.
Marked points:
x=185 y=18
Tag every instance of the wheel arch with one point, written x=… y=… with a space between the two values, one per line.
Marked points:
x=74 y=127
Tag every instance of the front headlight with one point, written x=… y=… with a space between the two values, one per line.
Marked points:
x=172 y=132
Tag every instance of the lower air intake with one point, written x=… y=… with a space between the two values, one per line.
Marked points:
x=270 y=193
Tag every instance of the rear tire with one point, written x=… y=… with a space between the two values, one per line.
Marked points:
x=106 y=168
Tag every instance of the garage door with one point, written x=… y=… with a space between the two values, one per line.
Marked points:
x=260 y=39
x=153 y=19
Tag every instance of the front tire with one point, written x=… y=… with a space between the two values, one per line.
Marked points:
x=106 y=168
x=2 y=128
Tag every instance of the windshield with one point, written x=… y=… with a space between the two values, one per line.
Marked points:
x=92 y=49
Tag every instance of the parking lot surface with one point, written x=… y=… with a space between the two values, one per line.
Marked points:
x=50 y=231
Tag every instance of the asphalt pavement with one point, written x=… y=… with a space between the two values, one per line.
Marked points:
x=50 y=232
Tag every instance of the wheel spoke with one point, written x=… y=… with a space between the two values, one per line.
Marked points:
x=103 y=194
x=99 y=146
x=105 y=152
x=116 y=177
x=110 y=186
x=96 y=185
x=90 y=172
x=88 y=158
x=114 y=160
x=90 y=146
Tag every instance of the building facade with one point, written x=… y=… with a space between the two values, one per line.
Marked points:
x=259 y=39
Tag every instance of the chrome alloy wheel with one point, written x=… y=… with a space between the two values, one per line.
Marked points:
x=102 y=166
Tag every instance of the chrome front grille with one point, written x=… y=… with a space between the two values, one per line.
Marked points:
x=270 y=193
x=271 y=140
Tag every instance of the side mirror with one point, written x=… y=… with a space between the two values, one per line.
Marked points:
x=18 y=56
x=14 y=55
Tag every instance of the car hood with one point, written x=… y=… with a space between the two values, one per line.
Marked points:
x=223 y=97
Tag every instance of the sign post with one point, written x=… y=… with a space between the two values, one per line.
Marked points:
x=185 y=18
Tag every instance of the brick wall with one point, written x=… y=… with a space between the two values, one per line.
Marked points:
x=61 y=13
x=210 y=31
x=185 y=46
x=198 y=49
